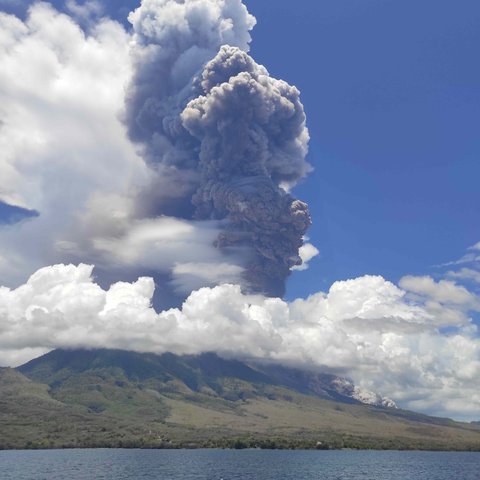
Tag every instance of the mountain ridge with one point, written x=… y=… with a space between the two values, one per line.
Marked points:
x=106 y=398
x=209 y=366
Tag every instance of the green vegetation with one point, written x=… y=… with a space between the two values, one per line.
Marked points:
x=109 y=398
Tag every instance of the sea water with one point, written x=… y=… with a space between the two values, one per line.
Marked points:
x=118 y=464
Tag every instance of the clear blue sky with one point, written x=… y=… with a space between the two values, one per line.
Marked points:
x=392 y=93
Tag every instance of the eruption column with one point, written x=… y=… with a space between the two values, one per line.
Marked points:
x=225 y=141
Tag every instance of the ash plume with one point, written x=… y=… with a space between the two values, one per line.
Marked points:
x=223 y=139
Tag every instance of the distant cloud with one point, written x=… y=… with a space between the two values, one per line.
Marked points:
x=366 y=327
x=475 y=247
x=465 y=274
x=472 y=256
x=307 y=252
x=443 y=291
x=85 y=12
x=191 y=276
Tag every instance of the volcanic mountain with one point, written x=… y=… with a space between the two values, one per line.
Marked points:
x=112 y=398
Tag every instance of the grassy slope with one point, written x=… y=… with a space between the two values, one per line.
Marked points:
x=113 y=402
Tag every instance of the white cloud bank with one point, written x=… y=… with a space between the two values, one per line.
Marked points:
x=366 y=327
x=64 y=151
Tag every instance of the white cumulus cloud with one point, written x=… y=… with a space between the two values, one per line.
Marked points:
x=367 y=328
x=307 y=252
x=443 y=291
x=465 y=274
x=61 y=140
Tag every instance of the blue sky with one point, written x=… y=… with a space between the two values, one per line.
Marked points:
x=392 y=95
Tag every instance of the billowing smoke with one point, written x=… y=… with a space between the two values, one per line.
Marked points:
x=225 y=140
x=172 y=41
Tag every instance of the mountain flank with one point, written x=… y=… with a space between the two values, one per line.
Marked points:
x=114 y=398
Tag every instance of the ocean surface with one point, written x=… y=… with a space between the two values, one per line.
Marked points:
x=117 y=464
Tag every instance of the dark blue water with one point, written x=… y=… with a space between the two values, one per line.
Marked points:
x=237 y=465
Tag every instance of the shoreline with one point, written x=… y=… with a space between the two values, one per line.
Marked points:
x=465 y=449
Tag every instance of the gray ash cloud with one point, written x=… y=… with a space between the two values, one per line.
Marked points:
x=224 y=140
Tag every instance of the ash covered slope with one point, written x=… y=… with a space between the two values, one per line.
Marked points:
x=324 y=385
